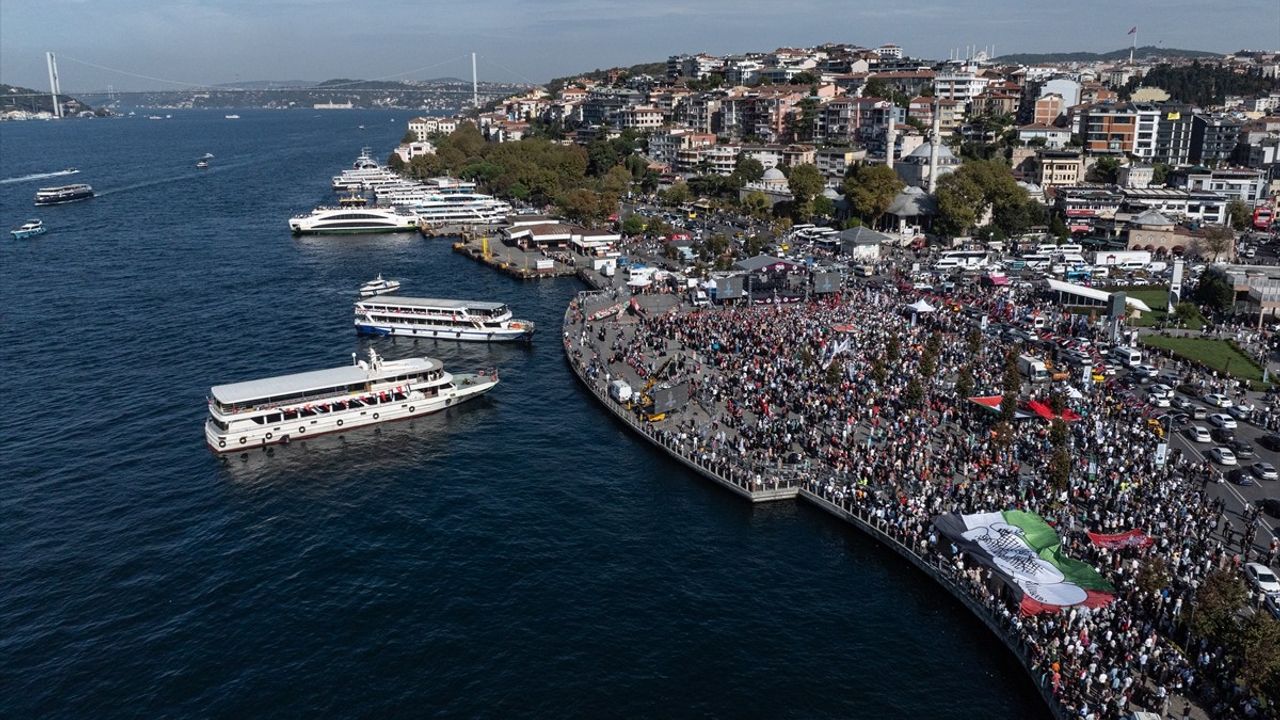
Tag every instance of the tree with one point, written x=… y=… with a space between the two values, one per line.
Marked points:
x=805 y=183
x=823 y=207
x=1187 y=313
x=676 y=195
x=1104 y=171
x=583 y=205
x=1238 y=216
x=1215 y=291
x=835 y=372
x=1060 y=469
x=1258 y=649
x=617 y=181
x=658 y=228
x=756 y=204
x=1153 y=575
x=914 y=394
x=870 y=190
x=1058 y=228
x=1160 y=173
x=633 y=225
x=749 y=169
x=1217 y=239
x=959 y=203
x=964 y=382
x=409 y=137
x=1220 y=598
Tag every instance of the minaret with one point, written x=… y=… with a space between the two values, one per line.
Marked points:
x=933 y=144
x=890 y=139
x=475 y=86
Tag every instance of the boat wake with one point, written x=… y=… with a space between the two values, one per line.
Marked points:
x=38 y=176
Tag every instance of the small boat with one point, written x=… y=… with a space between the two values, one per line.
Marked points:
x=378 y=286
x=31 y=228
x=203 y=162
x=231 y=117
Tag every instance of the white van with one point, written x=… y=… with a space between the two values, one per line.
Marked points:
x=1126 y=356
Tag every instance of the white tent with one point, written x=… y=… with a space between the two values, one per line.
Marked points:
x=920 y=306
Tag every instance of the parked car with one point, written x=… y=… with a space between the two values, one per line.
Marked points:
x=1183 y=404
x=1270 y=441
x=1217 y=400
x=1272 y=605
x=1264 y=471
x=1159 y=401
x=1240 y=476
x=1199 y=434
x=1270 y=506
x=1222 y=420
x=1222 y=435
x=1160 y=390
x=1223 y=456
x=1261 y=578
x=1199 y=412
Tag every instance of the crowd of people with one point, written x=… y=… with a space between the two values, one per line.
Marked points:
x=856 y=399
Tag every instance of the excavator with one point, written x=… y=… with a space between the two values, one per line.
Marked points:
x=644 y=400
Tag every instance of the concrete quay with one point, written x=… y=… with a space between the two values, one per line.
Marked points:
x=513 y=261
x=605 y=309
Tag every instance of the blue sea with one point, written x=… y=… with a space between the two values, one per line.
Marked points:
x=517 y=556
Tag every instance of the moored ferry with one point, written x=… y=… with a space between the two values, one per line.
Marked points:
x=63 y=194
x=336 y=221
x=293 y=407
x=440 y=318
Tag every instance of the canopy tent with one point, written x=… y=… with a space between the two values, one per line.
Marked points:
x=920 y=306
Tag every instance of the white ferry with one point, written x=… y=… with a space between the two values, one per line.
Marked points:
x=340 y=220
x=455 y=209
x=292 y=407
x=63 y=194
x=437 y=318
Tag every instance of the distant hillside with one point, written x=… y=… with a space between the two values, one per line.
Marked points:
x=656 y=69
x=268 y=84
x=1123 y=53
x=13 y=97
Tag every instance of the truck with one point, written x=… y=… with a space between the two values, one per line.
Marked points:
x=1033 y=368
x=620 y=391
x=1122 y=258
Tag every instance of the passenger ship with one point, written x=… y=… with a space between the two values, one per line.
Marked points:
x=456 y=209
x=437 y=318
x=335 y=221
x=63 y=194
x=292 y=407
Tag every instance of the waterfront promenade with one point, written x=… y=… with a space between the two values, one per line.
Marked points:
x=855 y=446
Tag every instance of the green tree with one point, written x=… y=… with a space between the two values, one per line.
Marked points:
x=1160 y=173
x=1060 y=469
x=1219 y=600
x=616 y=181
x=1105 y=170
x=960 y=203
x=676 y=195
x=749 y=169
x=1215 y=291
x=914 y=394
x=870 y=190
x=1238 y=214
x=823 y=207
x=805 y=183
x=756 y=204
x=409 y=137
x=1058 y=228
x=583 y=205
x=633 y=225
x=1258 y=650
x=1187 y=313
x=658 y=228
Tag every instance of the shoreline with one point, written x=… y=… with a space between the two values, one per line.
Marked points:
x=794 y=489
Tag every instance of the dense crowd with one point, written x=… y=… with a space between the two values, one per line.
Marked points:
x=823 y=393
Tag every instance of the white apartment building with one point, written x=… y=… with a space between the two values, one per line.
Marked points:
x=962 y=85
x=1144 y=139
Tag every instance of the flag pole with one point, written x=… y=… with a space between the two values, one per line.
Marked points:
x=1134 y=45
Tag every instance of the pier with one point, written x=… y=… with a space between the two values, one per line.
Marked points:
x=514 y=261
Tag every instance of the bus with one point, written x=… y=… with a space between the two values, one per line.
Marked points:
x=966 y=258
x=1263 y=217
x=1036 y=261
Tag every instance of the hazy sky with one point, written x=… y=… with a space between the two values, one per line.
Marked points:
x=224 y=41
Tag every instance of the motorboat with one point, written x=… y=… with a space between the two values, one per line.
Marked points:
x=379 y=286
x=34 y=227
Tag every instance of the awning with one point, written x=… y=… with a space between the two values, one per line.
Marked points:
x=1043 y=411
x=920 y=306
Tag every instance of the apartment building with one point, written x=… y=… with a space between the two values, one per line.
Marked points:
x=1173 y=136
x=1213 y=139
x=1248 y=186
x=1058 y=168
x=1048 y=108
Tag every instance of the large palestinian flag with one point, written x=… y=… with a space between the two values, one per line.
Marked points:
x=1027 y=554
